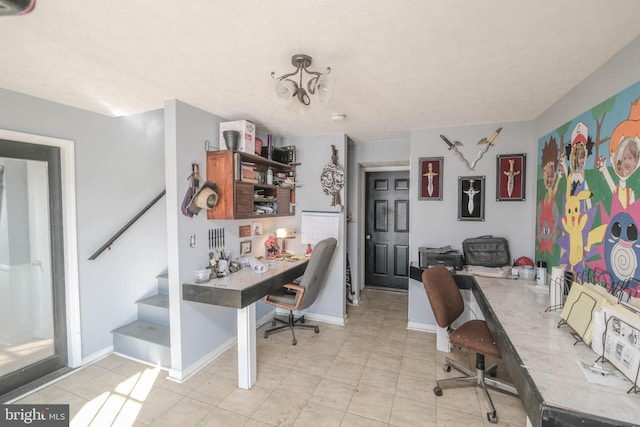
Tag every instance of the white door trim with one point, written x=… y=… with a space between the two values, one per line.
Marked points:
x=68 y=181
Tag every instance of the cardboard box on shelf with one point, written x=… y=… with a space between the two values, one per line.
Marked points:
x=247 y=135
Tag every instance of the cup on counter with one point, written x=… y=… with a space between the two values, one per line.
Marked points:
x=223 y=268
x=527 y=272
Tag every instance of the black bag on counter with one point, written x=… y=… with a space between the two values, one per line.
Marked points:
x=486 y=251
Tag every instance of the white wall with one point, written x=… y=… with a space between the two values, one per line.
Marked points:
x=314 y=153
x=435 y=223
x=196 y=329
x=118 y=170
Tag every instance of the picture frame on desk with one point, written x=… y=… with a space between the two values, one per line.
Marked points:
x=430 y=179
x=510 y=177
x=471 y=191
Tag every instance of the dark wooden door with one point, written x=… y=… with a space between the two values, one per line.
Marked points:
x=387 y=229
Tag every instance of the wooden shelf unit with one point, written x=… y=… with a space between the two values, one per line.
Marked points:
x=240 y=199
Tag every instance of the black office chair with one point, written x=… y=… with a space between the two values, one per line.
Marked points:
x=298 y=296
x=447 y=305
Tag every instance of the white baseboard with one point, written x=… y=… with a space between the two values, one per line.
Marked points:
x=97 y=355
x=180 y=376
x=424 y=327
x=326 y=319
x=313 y=316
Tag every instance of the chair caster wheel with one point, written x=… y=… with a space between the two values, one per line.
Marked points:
x=493 y=373
x=446 y=368
x=302 y=319
x=437 y=391
x=492 y=417
x=294 y=342
x=316 y=330
x=273 y=323
x=266 y=335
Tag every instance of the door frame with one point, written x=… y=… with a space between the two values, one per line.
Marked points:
x=70 y=235
x=362 y=190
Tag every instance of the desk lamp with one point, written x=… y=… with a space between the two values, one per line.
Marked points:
x=284 y=234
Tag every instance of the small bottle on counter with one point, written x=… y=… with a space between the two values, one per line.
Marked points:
x=514 y=270
x=541 y=273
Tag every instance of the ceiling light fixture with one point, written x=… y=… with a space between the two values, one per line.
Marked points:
x=16 y=7
x=287 y=89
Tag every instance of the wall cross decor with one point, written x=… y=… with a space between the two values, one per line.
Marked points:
x=485 y=142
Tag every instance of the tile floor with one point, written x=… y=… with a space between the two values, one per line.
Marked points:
x=370 y=372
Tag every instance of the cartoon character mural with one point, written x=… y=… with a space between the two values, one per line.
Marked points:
x=577 y=152
x=623 y=149
x=547 y=209
x=597 y=234
x=620 y=253
x=574 y=222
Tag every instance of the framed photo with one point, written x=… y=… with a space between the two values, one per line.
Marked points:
x=471 y=198
x=510 y=177
x=256 y=229
x=245 y=247
x=430 y=179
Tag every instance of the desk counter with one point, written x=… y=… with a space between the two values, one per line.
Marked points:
x=244 y=287
x=542 y=358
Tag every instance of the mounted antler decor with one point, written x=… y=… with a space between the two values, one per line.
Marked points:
x=486 y=143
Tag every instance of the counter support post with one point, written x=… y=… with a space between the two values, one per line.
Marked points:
x=247 y=346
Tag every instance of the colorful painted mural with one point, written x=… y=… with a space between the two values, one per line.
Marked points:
x=587 y=216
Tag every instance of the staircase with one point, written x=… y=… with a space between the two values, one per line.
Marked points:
x=147 y=339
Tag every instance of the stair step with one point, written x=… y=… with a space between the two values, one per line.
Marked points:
x=145 y=331
x=160 y=301
x=145 y=341
x=163 y=283
x=154 y=309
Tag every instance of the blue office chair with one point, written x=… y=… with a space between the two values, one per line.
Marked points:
x=298 y=296
x=447 y=305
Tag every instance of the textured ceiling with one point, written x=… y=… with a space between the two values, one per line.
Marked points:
x=398 y=65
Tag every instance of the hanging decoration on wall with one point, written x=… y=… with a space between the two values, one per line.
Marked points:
x=194 y=186
x=332 y=179
x=430 y=178
x=510 y=177
x=484 y=142
x=471 y=198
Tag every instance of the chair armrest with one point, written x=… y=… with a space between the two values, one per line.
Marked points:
x=299 y=290
x=294 y=287
x=299 y=293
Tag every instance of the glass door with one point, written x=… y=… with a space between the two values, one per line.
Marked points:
x=32 y=309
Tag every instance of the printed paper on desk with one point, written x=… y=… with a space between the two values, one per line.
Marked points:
x=257 y=266
x=617 y=338
x=579 y=307
x=614 y=379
